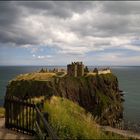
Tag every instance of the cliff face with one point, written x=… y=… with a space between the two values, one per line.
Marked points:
x=97 y=94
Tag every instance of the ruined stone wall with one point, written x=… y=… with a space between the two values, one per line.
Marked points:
x=80 y=70
x=104 y=71
x=72 y=70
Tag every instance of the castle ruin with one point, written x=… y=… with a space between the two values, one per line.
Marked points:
x=75 y=69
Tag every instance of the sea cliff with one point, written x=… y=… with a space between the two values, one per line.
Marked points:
x=98 y=94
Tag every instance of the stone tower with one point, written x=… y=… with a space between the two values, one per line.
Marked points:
x=75 y=69
x=80 y=69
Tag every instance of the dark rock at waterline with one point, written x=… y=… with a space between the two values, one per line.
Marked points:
x=120 y=90
x=121 y=94
x=122 y=100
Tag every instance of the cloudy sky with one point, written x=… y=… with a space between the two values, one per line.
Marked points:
x=54 y=32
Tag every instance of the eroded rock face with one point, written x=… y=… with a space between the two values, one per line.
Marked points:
x=97 y=94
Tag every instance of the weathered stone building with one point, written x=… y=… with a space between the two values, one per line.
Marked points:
x=75 y=69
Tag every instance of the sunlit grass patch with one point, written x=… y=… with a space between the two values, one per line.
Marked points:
x=35 y=76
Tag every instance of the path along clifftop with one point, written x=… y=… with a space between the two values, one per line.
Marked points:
x=9 y=134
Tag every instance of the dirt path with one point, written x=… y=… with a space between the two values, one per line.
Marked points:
x=9 y=134
x=122 y=132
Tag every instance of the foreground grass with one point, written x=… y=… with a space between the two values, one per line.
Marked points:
x=70 y=121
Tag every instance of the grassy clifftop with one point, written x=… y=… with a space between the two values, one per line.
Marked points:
x=35 y=76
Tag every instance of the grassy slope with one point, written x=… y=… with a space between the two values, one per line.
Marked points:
x=71 y=121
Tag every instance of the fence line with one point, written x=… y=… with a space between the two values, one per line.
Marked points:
x=17 y=115
x=26 y=117
x=47 y=129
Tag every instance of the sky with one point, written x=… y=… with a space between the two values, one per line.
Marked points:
x=59 y=32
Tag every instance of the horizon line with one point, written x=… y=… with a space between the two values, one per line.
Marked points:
x=66 y=65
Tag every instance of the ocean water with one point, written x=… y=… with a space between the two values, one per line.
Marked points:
x=129 y=82
x=128 y=77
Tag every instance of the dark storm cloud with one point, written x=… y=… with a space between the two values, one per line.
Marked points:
x=17 y=38
x=10 y=29
x=75 y=29
x=113 y=19
x=104 y=28
x=12 y=14
x=9 y=13
x=67 y=24
x=121 y=7
x=61 y=9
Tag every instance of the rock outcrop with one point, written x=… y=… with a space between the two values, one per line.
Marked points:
x=97 y=94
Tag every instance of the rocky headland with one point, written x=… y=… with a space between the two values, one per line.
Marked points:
x=98 y=94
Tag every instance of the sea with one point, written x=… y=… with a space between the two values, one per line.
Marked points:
x=129 y=83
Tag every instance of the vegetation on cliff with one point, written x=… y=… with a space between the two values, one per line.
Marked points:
x=71 y=121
